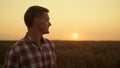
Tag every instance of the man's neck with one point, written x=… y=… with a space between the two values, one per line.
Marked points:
x=35 y=35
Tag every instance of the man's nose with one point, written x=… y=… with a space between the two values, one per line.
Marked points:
x=49 y=24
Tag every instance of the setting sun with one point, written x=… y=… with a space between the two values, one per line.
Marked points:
x=75 y=35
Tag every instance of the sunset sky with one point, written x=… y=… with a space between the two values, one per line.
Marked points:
x=70 y=19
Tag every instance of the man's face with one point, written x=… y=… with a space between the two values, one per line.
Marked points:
x=43 y=24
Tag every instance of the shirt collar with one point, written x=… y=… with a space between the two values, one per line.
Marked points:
x=42 y=39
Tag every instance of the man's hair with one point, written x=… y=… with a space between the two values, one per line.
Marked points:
x=33 y=12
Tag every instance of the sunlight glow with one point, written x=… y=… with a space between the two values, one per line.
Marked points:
x=75 y=35
x=71 y=20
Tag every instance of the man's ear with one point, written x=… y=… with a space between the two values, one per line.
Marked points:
x=37 y=20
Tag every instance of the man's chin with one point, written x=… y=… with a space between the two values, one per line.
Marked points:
x=46 y=32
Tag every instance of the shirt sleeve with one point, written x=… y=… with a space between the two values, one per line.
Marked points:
x=55 y=57
x=53 y=49
x=54 y=53
x=11 y=60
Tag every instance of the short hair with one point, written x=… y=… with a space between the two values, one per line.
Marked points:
x=33 y=12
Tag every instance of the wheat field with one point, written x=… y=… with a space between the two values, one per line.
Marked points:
x=80 y=54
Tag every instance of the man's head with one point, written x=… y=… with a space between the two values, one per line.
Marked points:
x=37 y=16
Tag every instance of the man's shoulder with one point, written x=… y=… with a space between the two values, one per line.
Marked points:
x=14 y=48
x=18 y=44
x=47 y=41
x=51 y=44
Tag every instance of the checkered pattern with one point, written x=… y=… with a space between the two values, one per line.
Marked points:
x=25 y=54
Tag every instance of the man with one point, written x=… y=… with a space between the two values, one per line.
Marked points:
x=33 y=51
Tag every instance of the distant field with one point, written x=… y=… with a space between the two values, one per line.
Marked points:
x=80 y=54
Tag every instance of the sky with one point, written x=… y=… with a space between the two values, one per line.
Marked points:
x=70 y=19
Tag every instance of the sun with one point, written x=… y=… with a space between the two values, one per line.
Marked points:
x=75 y=35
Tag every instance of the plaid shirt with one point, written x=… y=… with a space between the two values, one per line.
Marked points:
x=25 y=54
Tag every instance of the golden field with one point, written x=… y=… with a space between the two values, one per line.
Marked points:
x=80 y=54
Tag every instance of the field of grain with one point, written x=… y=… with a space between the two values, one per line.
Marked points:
x=80 y=54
